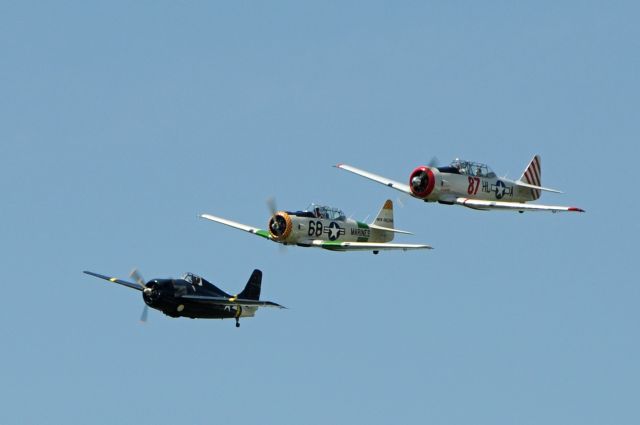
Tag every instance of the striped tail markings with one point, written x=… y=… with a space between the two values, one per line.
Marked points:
x=533 y=175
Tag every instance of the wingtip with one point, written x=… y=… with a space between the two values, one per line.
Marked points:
x=339 y=165
x=576 y=209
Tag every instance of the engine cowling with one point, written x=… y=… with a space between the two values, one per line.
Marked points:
x=280 y=226
x=153 y=291
x=422 y=182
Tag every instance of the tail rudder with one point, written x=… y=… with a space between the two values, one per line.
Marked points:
x=533 y=175
x=383 y=221
x=385 y=216
x=252 y=290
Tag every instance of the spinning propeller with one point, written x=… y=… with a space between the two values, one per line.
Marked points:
x=277 y=223
x=147 y=291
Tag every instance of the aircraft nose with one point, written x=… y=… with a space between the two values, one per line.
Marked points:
x=153 y=290
x=422 y=182
x=280 y=226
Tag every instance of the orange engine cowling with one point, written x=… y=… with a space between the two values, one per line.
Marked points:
x=422 y=182
x=280 y=226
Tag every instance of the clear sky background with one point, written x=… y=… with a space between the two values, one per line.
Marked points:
x=121 y=122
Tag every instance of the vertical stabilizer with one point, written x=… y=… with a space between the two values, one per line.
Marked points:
x=252 y=290
x=533 y=175
x=385 y=216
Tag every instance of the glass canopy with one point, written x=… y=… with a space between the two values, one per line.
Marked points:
x=469 y=168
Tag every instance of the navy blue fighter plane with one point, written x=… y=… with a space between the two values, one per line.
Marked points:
x=192 y=296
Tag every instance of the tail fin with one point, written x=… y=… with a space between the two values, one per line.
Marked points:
x=252 y=290
x=533 y=175
x=385 y=216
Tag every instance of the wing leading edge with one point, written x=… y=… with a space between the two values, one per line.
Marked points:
x=376 y=178
x=260 y=232
x=116 y=280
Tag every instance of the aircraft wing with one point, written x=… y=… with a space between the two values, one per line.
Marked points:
x=376 y=178
x=260 y=232
x=116 y=280
x=511 y=206
x=231 y=301
x=364 y=246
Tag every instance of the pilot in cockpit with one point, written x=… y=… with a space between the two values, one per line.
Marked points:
x=193 y=279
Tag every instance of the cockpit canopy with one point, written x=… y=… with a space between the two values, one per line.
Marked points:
x=193 y=279
x=469 y=168
x=328 y=213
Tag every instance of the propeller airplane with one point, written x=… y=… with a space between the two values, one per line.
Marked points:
x=192 y=296
x=473 y=185
x=328 y=228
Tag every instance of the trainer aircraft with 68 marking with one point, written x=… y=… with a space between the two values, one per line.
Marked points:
x=328 y=228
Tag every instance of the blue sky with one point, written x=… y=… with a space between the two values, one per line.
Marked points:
x=121 y=122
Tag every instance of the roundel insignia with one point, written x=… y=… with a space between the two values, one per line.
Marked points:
x=335 y=231
x=500 y=189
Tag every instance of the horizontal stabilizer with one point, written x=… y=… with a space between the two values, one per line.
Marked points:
x=365 y=246
x=386 y=229
x=531 y=186
x=231 y=301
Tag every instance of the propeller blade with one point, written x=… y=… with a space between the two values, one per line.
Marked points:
x=135 y=275
x=434 y=162
x=271 y=204
x=273 y=209
x=145 y=313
